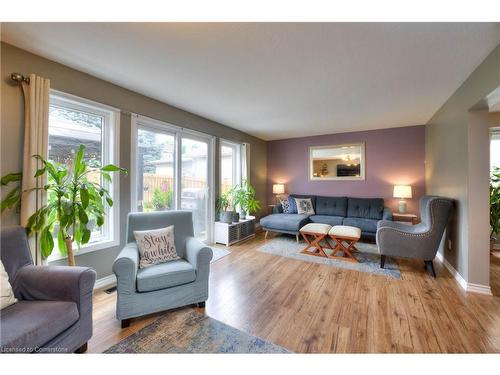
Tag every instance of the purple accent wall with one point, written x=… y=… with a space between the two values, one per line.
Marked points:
x=393 y=156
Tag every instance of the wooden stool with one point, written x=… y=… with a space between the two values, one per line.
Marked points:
x=313 y=234
x=341 y=234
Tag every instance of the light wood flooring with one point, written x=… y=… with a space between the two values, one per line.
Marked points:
x=315 y=308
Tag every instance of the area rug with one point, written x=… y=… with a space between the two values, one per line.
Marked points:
x=219 y=253
x=367 y=256
x=189 y=331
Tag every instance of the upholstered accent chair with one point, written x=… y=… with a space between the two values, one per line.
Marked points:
x=54 y=309
x=419 y=241
x=166 y=285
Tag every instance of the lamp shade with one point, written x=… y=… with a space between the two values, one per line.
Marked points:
x=278 y=189
x=402 y=191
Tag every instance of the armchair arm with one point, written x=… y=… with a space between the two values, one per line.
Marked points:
x=55 y=283
x=387 y=215
x=199 y=255
x=125 y=268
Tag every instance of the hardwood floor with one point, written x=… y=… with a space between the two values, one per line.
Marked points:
x=315 y=308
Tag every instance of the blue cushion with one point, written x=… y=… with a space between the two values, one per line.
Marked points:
x=365 y=208
x=284 y=222
x=366 y=225
x=334 y=206
x=327 y=219
x=165 y=275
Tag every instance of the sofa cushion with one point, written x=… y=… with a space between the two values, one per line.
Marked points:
x=366 y=208
x=31 y=324
x=284 y=222
x=165 y=275
x=293 y=204
x=333 y=206
x=326 y=219
x=366 y=225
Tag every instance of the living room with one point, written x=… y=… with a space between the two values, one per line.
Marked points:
x=250 y=187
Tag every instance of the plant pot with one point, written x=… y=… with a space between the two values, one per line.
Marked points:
x=243 y=214
x=236 y=217
x=226 y=217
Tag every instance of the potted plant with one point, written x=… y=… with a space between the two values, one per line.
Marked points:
x=244 y=198
x=75 y=203
x=222 y=206
x=494 y=204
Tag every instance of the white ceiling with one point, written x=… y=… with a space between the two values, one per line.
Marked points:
x=276 y=80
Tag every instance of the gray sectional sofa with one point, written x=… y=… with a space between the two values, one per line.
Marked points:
x=364 y=213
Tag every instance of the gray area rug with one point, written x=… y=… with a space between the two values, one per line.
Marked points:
x=219 y=253
x=368 y=256
x=189 y=331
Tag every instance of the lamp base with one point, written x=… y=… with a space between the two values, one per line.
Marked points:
x=402 y=207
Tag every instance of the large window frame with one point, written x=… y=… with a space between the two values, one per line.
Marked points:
x=147 y=123
x=110 y=155
x=236 y=148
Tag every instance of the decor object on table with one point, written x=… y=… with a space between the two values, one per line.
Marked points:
x=75 y=203
x=410 y=219
x=337 y=162
x=200 y=334
x=54 y=309
x=313 y=234
x=279 y=192
x=363 y=213
x=230 y=233
x=402 y=192
x=304 y=206
x=222 y=206
x=342 y=234
x=166 y=285
x=7 y=298
x=494 y=203
x=243 y=196
x=419 y=241
x=367 y=256
x=155 y=246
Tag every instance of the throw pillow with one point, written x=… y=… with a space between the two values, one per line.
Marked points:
x=304 y=206
x=293 y=205
x=7 y=297
x=285 y=205
x=156 y=246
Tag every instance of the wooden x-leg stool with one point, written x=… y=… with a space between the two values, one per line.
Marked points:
x=345 y=238
x=313 y=234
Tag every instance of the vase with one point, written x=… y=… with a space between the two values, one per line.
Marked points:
x=236 y=217
x=226 y=217
x=243 y=214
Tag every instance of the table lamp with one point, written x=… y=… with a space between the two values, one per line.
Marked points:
x=278 y=189
x=402 y=192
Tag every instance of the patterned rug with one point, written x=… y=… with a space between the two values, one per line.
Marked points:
x=368 y=256
x=188 y=331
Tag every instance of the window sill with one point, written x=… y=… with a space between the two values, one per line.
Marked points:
x=88 y=248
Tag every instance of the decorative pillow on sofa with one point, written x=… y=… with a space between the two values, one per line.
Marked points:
x=285 y=205
x=156 y=246
x=304 y=206
x=7 y=298
x=293 y=205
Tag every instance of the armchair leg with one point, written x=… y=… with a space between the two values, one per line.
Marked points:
x=382 y=261
x=297 y=238
x=125 y=323
x=201 y=305
x=429 y=266
x=81 y=349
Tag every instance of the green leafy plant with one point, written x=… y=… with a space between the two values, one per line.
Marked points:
x=495 y=201
x=223 y=202
x=75 y=202
x=162 y=199
x=244 y=197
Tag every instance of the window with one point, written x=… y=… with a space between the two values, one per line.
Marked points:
x=495 y=149
x=173 y=170
x=230 y=165
x=74 y=121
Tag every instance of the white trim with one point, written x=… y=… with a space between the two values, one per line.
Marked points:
x=105 y=282
x=362 y=161
x=496 y=246
x=468 y=287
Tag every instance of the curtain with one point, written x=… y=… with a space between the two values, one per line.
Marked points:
x=36 y=140
x=245 y=162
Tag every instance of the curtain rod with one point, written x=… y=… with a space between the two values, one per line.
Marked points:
x=19 y=78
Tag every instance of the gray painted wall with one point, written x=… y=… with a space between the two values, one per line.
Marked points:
x=448 y=161
x=77 y=83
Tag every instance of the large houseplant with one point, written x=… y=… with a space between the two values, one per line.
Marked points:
x=222 y=206
x=495 y=202
x=244 y=198
x=75 y=203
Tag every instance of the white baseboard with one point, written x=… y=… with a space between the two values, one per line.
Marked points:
x=105 y=282
x=496 y=246
x=468 y=287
